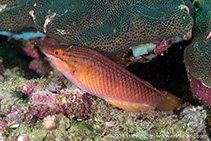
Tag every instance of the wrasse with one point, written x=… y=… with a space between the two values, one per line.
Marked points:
x=98 y=75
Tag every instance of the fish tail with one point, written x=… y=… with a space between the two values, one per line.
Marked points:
x=169 y=102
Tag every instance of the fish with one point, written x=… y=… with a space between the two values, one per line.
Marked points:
x=99 y=76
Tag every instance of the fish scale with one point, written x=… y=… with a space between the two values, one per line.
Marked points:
x=97 y=75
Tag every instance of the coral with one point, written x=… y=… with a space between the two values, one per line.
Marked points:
x=44 y=41
x=195 y=117
x=24 y=137
x=16 y=114
x=150 y=125
x=41 y=102
x=29 y=87
x=197 y=61
x=200 y=91
x=3 y=123
x=30 y=50
x=40 y=66
x=45 y=103
x=49 y=122
x=143 y=27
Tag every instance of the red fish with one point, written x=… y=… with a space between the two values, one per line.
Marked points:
x=98 y=75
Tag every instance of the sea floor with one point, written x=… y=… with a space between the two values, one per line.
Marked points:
x=38 y=103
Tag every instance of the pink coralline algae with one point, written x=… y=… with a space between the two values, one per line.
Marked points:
x=197 y=61
x=12 y=112
x=76 y=104
x=198 y=65
x=44 y=103
x=30 y=87
x=201 y=91
x=3 y=123
x=16 y=114
x=40 y=66
x=30 y=50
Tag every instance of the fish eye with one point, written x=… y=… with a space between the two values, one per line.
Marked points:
x=57 y=52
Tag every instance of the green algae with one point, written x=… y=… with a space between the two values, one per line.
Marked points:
x=14 y=80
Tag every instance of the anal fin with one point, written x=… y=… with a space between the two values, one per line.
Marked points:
x=130 y=106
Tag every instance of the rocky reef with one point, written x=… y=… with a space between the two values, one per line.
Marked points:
x=38 y=103
x=52 y=108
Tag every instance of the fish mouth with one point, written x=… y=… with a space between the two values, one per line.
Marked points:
x=45 y=50
x=49 y=57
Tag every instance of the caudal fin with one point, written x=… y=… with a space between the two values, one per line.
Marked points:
x=169 y=102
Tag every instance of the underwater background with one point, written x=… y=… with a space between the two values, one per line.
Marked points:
x=38 y=103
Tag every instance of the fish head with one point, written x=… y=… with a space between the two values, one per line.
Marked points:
x=58 y=55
